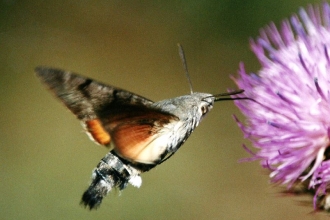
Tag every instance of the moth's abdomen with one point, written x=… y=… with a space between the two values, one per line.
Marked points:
x=95 y=193
x=110 y=173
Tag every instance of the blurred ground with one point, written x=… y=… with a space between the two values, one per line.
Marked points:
x=45 y=158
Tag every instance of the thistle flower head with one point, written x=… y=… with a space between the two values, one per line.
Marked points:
x=288 y=118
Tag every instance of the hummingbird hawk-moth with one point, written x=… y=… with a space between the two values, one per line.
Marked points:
x=141 y=133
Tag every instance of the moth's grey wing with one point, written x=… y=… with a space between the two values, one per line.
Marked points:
x=84 y=96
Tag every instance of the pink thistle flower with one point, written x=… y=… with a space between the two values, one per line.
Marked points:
x=288 y=120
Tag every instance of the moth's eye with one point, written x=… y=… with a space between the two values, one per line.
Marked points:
x=204 y=109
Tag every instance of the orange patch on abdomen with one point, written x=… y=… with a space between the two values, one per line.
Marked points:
x=95 y=129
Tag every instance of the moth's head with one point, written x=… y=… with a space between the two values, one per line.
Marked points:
x=197 y=105
x=189 y=107
x=194 y=106
x=203 y=102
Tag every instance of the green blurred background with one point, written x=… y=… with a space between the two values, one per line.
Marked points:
x=46 y=159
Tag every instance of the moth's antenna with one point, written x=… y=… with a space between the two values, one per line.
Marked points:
x=183 y=59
